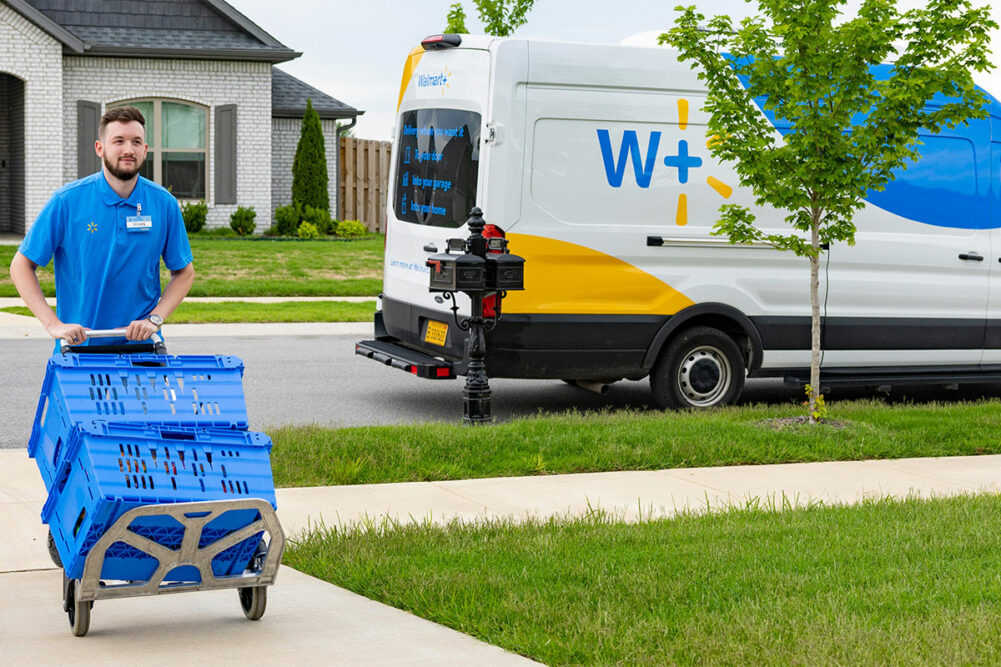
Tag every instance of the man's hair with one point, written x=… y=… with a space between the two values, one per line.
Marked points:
x=120 y=114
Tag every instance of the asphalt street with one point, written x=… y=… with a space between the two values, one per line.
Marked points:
x=319 y=379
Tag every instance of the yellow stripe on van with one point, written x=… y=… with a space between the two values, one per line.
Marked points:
x=409 y=68
x=565 y=278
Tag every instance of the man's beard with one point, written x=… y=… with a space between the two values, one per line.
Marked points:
x=123 y=173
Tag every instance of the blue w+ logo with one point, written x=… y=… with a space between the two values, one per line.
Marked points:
x=615 y=167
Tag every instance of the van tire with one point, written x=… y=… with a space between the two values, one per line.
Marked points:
x=701 y=367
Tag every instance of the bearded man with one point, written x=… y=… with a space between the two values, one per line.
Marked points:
x=107 y=233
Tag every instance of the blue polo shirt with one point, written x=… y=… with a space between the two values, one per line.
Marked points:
x=107 y=275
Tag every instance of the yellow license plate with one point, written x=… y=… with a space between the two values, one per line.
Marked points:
x=436 y=333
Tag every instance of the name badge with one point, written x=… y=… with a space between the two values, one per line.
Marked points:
x=139 y=223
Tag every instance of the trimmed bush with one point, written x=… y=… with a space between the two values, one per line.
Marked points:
x=309 y=170
x=307 y=230
x=194 y=215
x=351 y=228
x=242 y=220
x=319 y=218
x=287 y=219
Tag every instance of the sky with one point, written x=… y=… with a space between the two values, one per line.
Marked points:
x=354 y=51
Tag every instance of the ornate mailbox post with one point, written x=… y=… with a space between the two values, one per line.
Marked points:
x=483 y=267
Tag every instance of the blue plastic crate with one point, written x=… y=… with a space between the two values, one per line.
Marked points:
x=187 y=391
x=109 y=469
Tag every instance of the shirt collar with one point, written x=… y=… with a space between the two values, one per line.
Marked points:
x=111 y=198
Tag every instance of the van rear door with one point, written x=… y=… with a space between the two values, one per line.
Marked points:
x=436 y=164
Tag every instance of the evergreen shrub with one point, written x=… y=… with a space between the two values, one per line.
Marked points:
x=287 y=219
x=319 y=218
x=309 y=169
x=242 y=220
x=351 y=228
x=194 y=215
x=307 y=230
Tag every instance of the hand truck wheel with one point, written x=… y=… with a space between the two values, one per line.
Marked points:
x=253 y=601
x=53 y=551
x=77 y=611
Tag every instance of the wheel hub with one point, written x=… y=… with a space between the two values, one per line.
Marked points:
x=704 y=376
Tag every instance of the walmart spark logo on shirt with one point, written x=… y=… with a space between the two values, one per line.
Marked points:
x=92 y=227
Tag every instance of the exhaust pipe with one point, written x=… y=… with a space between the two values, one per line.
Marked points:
x=592 y=385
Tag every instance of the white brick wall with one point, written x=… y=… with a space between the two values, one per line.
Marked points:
x=210 y=83
x=284 y=138
x=36 y=58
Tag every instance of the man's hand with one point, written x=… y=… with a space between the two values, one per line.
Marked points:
x=140 y=330
x=74 y=334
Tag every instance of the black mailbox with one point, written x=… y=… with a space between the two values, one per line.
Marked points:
x=505 y=272
x=454 y=273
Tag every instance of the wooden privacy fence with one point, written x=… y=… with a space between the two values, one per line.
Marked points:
x=364 y=165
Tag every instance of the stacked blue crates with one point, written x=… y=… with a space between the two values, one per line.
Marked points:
x=114 y=432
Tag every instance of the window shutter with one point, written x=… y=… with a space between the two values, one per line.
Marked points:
x=88 y=115
x=225 y=154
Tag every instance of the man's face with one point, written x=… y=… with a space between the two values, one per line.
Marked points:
x=123 y=148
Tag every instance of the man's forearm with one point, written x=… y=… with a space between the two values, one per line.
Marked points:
x=22 y=273
x=175 y=291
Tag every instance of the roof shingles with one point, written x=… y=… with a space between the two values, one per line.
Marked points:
x=200 y=28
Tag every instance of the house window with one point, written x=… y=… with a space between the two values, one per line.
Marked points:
x=177 y=136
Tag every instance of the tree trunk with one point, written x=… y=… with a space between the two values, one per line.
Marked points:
x=814 y=320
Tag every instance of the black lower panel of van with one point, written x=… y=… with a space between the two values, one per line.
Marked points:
x=570 y=347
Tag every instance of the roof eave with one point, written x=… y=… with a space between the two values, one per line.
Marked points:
x=69 y=41
x=243 y=22
x=326 y=114
x=272 y=56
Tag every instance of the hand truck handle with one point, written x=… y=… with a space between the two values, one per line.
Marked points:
x=104 y=333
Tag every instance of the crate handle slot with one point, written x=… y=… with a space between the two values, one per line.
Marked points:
x=79 y=522
x=169 y=435
x=196 y=515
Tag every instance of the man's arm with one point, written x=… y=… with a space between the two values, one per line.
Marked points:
x=178 y=288
x=22 y=272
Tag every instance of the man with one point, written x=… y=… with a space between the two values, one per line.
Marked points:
x=107 y=233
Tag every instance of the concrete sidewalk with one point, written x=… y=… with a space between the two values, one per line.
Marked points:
x=310 y=622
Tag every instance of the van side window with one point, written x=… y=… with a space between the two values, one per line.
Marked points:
x=940 y=189
x=438 y=156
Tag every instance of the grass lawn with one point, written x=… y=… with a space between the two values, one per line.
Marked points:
x=629 y=440
x=234 y=267
x=917 y=582
x=240 y=311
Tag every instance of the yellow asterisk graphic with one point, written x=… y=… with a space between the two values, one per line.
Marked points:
x=92 y=227
x=724 y=190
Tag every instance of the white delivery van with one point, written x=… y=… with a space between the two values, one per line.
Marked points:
x=593 y=161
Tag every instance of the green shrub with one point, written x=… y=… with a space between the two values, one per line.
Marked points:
x=307 y=230
x=287 y=219
x=271 y=231
x=319 y=218
x=194 y=216
x=309 y=169
x=351 y=228
x=242 y=221
x=224 y=232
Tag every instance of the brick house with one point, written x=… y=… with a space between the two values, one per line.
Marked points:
x=222 y=121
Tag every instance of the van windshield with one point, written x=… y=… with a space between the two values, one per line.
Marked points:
x=436 y=165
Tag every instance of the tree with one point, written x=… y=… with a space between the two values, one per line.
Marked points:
x=822 y=76
x=500 y=17
x=456 y=19
x=309 y=170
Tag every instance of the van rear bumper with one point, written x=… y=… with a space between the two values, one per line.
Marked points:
x=568 y=347
x=411 y=361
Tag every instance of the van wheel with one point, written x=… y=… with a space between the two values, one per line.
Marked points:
x=701 y=368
